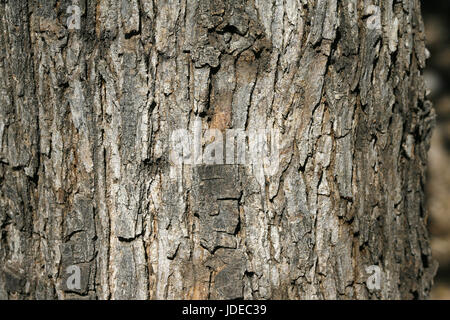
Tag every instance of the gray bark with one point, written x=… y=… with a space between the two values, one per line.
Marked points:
x=86 y=117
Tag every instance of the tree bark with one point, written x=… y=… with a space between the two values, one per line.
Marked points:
x=86 y=118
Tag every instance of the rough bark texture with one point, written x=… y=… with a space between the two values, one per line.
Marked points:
x=85 y=121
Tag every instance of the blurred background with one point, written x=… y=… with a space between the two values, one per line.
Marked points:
x=436 y=14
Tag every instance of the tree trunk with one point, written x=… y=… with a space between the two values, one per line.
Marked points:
x=92 y=92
